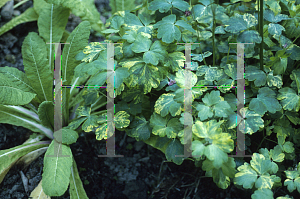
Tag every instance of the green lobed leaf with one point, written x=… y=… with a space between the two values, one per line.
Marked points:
x=57 y=169
x=275 y=29
x=274 y=80
x=182 y=76
x=263 y=193
x=269 y=16
x=165 y=5
x=174 y=148
x=293 y=181
x=141 y=129
x=238 y=22
x=145 y=75
x=165 y=104
x=167 y=29
x=155 y=54
x=213 y=105
x=289 y=99
x=138 y=24
x=121 y=119
x=265 y=101
x=252 y=73
x=253 y=121
x=218 y=143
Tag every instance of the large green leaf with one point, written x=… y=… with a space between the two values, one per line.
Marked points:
x=145 y=75
x=260 y=167
x=183 y=75
x=166 y=104
x=238 y=22
x=66 y=136
x=296 y=76
x=76 y=189
x=77 y=40
x=174 y=148
x=293 y=180
x=14 y=92
x=204 y=14
x=121 y=5
x=252 y=73
x=57 y=169
x=51 y=24
x=265 y=101
x=9 y=156
x=289 y=99
x=213 y=105
x=168 y=30
x=86 y=10
x=17 y=77
x=46 y=114
x=36 y=66
x=253 y=121
x=140 y=128
x=211 y=73
x=165 y=126
x=20 y=116
x=216 y=143
x=269 y=16
x=137 y=24
x=27 y=16
x=165 y=5
x=155 y=54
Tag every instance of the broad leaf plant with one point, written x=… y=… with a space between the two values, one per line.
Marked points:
x=149 y=89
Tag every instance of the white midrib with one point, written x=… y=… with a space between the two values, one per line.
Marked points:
x=56 y=162
x=20 y=80
x=45 y=130
x=38 y=74
x=68 y=55
x=74 y=183
x=50 y=58
x=18 y=149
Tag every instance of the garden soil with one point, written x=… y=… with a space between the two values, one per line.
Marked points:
x=143 y=172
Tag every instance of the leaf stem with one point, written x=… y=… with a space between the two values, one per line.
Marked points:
x=213 y=31
x=20 y=3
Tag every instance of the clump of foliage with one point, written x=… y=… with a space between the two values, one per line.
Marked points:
x=150 y=89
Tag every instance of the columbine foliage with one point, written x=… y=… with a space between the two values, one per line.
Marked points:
x=150 y=82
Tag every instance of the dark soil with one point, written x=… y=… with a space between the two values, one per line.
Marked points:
x=142 y=173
